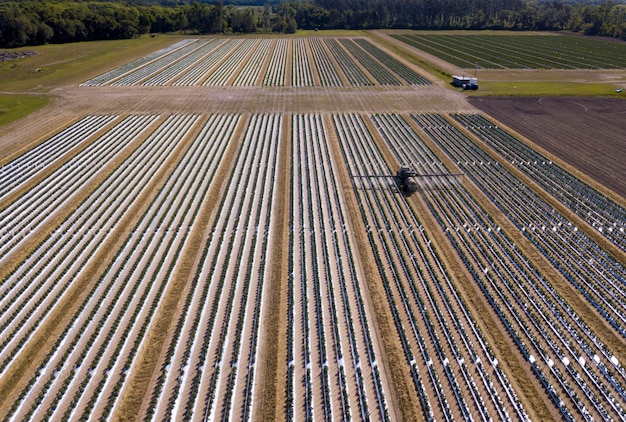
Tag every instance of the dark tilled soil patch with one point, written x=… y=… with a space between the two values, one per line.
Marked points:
x=6 y=56
x=588 y=133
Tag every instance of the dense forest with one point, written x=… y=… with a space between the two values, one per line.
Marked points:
x=33 y=22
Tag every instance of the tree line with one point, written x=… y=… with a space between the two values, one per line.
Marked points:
x=605 y=19
x=39 y=22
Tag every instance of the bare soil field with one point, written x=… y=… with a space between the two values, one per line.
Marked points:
x=588 y=133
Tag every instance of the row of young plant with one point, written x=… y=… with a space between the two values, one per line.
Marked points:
x=301 y=72
x=408 y=148
x=276 y=69
x=227 y=70
x=110 y=334
x=379 y=72
x=329 y=292
x=139 y=168
x=26 y=166
x=451 y=133
x=213 y=356
x=598 y=277
x=142 y=73
x=462 y=53
x=216 y=62
x=169 y=73
x=608 y=217
x=152 y=258
x=118 y=72
x=34 y=287
x=215 y=141
x=36 y=206
x=327 y=72
x=455 y=210
x=353 y=72
x=515 y=51
x=198 y=72
x=451 y=54
x=407 y=274
x=216 y=136
x=492 y=252
x=409 y=75
x=505 y=54
x=254 y=65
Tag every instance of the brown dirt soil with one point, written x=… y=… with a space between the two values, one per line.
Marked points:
x=275 y=342
x=587 y=133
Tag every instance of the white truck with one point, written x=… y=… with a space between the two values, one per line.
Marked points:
x=465 y=82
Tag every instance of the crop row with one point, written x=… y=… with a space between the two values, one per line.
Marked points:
x=301 y=72
x=139 y=75
x=198 y=72
x=37 y=206
x=172 y=72
x=214 y=352
x=353 y=72
x=515 y=51
x=240 y=62
x=608 y=217
x=118 y=72
x=452 y=378
x=35 y=283
x=325 y=68
x=381 y=74
x=77 y=240
x=537 y=317
x=228 y=68
x=253 y=66
x=275 y=74
x=403 y=71
x=331 y=358
x=596 y=275
x=32 y=162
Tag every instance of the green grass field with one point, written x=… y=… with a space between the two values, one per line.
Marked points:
x=507 y=51
x=14 y=107
x=525 y=88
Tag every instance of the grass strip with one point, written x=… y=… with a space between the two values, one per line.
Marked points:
x=15 y=106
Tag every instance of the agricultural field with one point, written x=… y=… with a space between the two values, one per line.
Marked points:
x=521 y=51
x=212 y=231
x=250 y=62
x=590 y=134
